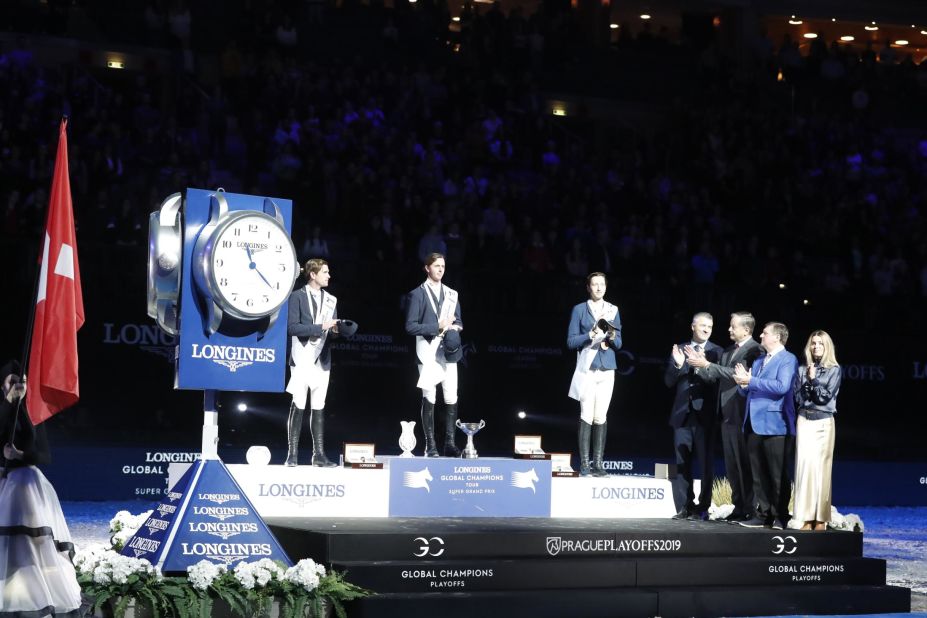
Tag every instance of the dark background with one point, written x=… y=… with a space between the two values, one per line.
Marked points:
x=704 y=132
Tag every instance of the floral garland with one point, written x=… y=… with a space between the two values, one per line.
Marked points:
x=249 y=589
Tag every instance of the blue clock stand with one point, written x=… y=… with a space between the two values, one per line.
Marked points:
x=206 y=515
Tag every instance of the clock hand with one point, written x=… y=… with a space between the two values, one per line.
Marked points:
x=253 y=266
x=261 y=276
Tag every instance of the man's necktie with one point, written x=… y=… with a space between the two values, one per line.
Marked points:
x=315 y=306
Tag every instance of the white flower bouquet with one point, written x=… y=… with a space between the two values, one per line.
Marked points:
x=249 y=589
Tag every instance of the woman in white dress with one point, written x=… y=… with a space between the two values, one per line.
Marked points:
x=817 y=385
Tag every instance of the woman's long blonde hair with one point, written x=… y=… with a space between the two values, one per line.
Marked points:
x=830 y=354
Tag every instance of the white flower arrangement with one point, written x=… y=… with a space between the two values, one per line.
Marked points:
x=306 y=573
x=250 y=589
x=260 y=573
x=204 y=573
x=850 y=521
x=124 y=525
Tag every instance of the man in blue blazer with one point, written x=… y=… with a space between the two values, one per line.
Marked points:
x=693 y=418
x=769 y=420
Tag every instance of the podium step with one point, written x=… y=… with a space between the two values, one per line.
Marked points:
x=775 y=601
x=481 y=575
x=604 y=603
x=539 y=574
x=592 y=567
x=769 y=571
x=454 y=539
x=612 y=603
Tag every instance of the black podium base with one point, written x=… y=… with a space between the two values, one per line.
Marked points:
x=573 y=567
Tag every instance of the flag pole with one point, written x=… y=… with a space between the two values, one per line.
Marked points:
x=27 y=343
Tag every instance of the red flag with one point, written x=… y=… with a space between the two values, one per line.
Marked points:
x=59 y=307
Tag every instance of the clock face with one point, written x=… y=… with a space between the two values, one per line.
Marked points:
x=252 y=265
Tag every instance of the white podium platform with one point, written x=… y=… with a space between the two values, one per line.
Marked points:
x=305 y=491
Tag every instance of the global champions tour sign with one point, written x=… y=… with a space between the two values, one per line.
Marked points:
x=466 y=488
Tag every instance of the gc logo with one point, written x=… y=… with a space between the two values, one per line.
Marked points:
x=782 y=542
x=432 y=547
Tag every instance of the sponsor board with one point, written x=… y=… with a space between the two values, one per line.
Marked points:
x=207 y=516
x=148 y=338
x=307 y=491
x=379 y=350
x=485 y=487
x=612 y=497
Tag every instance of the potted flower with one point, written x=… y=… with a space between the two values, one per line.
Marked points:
x=122 y=586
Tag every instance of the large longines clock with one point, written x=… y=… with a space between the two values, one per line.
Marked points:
x=221 y=267
x=244 y=263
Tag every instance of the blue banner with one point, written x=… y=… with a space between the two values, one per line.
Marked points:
x=483 y=487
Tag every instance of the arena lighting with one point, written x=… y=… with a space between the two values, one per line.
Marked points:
x=645 y=16
x=781 y=286
x=521 y=414
x=242 y=407
x=810 y=35
x=455 y=19
x=924 y=32
x=806 y=302
x=115 y=64
x=613 y=26
x=901 y=42
x=795 y=21
x=847 y=38
x=872 y=28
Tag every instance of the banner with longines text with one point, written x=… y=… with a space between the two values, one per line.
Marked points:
x=205 y=515
x=124 y=473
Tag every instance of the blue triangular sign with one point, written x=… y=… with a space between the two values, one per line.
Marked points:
x=205 y=515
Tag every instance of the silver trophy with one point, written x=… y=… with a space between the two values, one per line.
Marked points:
x=470 y=429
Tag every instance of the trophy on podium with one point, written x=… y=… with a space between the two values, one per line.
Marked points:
x=470 y=429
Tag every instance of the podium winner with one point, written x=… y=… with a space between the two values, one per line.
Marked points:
x=433 y=318
x=312 y=323
x=595 y=334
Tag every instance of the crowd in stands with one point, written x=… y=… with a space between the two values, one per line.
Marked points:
x=813 y=178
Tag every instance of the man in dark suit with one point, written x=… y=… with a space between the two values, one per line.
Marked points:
x=312 y=323
x=731 y=406
x=769 y=422
x=692 y=418
x=433 y=318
